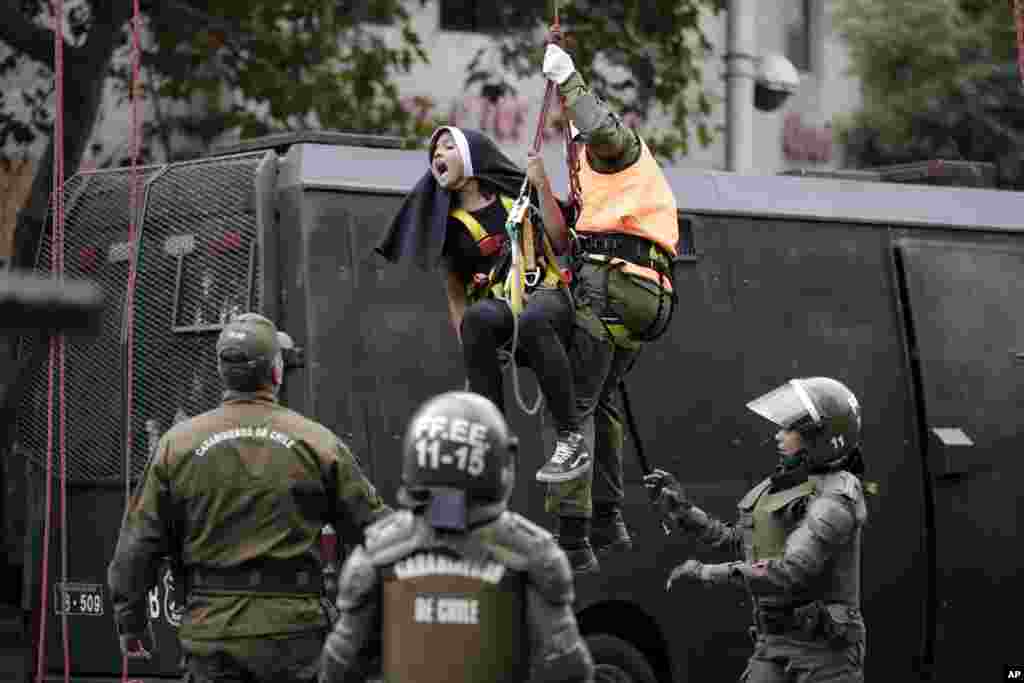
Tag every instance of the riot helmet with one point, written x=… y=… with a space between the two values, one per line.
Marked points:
x=822 y=410
x=458 y=461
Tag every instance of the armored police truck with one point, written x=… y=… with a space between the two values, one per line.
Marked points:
x=911 y=295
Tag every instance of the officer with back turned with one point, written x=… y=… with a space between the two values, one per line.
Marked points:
x=454 y=586
x=237 y=497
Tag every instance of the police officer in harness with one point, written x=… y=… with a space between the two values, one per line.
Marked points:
x=238 y=497
x=799 y=534
x=626 y=238
x=457 y=587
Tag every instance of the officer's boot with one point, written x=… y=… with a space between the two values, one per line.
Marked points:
x=608 y=530
x=572 y=536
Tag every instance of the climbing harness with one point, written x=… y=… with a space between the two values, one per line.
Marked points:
x=523 y=274
x=600 y=249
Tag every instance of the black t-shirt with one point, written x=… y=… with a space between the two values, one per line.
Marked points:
x=461 y=252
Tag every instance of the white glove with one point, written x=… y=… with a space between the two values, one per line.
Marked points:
x=558 y=64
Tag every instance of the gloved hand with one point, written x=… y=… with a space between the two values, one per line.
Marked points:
x=666 y=493
x=138 y=645
x=558 y=64
x=698 y=572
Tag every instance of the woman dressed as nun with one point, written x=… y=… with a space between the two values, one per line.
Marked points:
x=455 y=217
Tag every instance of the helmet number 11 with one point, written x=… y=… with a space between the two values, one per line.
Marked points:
x=429 y=455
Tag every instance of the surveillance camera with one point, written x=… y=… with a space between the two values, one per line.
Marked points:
x=777 y=79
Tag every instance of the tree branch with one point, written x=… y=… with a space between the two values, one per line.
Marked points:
x=23 y=35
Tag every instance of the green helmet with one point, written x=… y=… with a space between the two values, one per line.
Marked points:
x=458 y=460
x=824 y=411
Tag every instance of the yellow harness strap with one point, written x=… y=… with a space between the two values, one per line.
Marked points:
x=502 y=290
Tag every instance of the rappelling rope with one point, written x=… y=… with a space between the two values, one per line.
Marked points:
x=129 y=308
x=513 y=223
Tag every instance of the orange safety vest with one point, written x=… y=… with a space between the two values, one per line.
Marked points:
x=505 y=289
x=635 y=201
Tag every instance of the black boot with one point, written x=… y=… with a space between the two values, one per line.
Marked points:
x=608 y=530
x=572 y=536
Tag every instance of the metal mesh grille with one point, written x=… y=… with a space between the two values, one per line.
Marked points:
x=96 y=247
x=197 y=266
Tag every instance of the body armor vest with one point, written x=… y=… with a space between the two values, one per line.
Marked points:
x=767 y=518
x=771 y=524
x=446 y=618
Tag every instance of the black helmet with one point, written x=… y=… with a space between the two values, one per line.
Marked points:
x=822 y=410
x=458 y=460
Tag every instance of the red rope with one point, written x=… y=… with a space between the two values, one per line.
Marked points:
x=58 y=225
x=132 y=266
x=56 y=358
x=1017 y=6
x=571 y=148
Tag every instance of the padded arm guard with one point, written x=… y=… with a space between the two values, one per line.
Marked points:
x=358 y=611
x=707 y=529
x=561 y=654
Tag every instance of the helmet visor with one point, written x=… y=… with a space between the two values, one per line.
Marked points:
x=787 y=406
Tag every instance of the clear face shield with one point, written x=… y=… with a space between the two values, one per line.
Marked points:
x=788 y=406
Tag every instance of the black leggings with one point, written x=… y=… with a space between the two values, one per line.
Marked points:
x=545 y=326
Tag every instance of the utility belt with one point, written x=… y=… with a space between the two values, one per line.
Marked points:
x=810 y=621
x=637 y=250
x=640 y=252
x=265 y=576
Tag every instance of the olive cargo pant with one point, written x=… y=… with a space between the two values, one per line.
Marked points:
x=270 y=659
x=602 y=352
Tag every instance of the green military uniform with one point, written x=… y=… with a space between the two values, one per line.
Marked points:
x=239 y=495
x=603 y=353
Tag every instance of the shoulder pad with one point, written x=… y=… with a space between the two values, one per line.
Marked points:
x=841 y=483
x=524 y=527
x=747 y=502
x=543 y=561
x=832 y=518
x=390 y=530
x=510 y=539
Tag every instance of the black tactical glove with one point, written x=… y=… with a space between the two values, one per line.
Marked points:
x=698 y=572
x=667 y=494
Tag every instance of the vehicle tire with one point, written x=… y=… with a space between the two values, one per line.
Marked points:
x=616 y=661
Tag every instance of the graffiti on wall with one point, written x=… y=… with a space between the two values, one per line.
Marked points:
x=801 y=142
